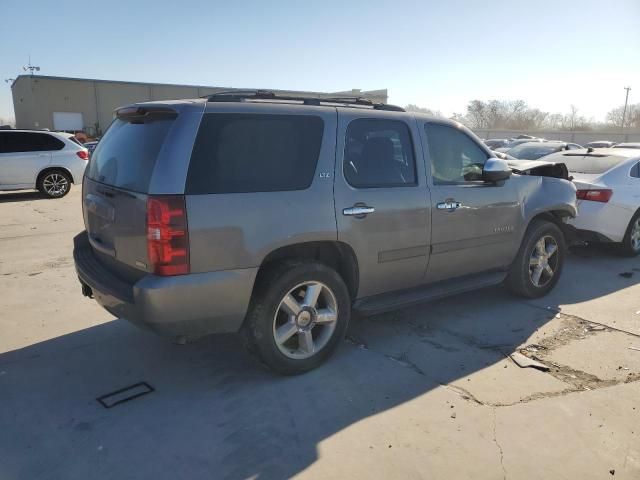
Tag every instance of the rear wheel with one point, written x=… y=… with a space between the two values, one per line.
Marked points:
x=54 y=183
x=539 y=262
x=298 y=316
x=630 y=245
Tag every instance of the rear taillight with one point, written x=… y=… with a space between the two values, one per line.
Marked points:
x=596 y=195
x=83 y=154
x=167 y=235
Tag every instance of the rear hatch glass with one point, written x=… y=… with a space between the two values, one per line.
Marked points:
x=116 y=188
x=127 y=154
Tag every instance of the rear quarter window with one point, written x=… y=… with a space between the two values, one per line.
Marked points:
x=126 y=156
x=236 y=153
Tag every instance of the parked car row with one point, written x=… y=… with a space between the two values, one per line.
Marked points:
x=529 y=152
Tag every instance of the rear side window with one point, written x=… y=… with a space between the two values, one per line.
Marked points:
x=126 y=156
x=379 y=153
x=14 y=142
x=50 y=143
x=236 y=153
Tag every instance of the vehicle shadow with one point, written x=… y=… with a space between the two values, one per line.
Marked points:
x=215 y=413
x=21 y=196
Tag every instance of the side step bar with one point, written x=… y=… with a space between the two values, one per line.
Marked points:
x=386 y=302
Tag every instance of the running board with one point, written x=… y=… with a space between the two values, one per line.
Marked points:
x=386 y=302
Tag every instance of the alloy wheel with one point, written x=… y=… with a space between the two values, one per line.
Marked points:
x=543 y=261
x=305 y=320
x=55 y=184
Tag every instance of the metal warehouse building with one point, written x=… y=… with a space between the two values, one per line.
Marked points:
x=74 y=104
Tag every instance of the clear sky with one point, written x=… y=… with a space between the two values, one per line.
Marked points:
x=437 y=54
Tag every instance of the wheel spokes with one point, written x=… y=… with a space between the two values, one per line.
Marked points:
x=326 y=315
x=290 y=305
x=286 y=331
x=551 y=249
x=535 y=276
x=541 y=247
x=312 y=294
x=305 y=342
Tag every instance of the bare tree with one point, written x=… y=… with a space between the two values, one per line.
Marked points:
x=509 y=114
x=614 y=117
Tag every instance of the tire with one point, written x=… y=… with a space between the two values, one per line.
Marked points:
x=54 y=183
x=292 y=343
x=630 y=245
x=531 y=264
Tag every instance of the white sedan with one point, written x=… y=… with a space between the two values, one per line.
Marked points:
x=608 y=190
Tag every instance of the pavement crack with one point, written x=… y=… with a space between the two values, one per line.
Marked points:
x=464 y=394
x=495 y=440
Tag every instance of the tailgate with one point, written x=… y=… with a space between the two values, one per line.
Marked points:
x=115 y=220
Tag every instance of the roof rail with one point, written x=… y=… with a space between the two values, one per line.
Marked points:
x=243 y=95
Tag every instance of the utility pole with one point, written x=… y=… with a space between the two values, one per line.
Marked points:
x=624 y=112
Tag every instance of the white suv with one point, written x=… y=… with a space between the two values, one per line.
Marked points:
x=47 y=161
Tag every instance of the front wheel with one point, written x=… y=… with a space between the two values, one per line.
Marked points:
x=299 y=314
x=539 y=262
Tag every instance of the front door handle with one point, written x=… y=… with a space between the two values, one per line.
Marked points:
x=449 y=205
x=359 y=211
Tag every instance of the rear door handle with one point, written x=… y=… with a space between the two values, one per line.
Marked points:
x=358 y=211
x=450 y=205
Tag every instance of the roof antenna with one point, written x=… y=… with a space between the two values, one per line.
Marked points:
x=30 y=68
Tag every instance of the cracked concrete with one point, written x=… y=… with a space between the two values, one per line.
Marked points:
x=426 y=392
x=495 y=440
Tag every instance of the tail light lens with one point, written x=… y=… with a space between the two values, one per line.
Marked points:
x=167 y=235
x=83 y=154
x=596 y=195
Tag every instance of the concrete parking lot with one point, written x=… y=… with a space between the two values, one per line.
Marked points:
x=427 y=392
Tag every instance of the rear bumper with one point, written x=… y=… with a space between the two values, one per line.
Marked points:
x=604 y=222
x=191 y=305
x=574 y=234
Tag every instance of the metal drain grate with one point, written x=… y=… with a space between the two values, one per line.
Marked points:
x=125 y=394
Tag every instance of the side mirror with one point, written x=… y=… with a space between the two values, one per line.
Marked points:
x=495 y=170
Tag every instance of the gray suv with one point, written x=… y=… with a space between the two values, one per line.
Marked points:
x=280 y=216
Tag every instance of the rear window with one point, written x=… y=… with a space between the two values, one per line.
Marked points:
x=126 y=156
x=236 y=153
x=585 y=164
x=535 y=152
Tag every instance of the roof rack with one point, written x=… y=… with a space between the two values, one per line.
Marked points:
x=243 y=95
